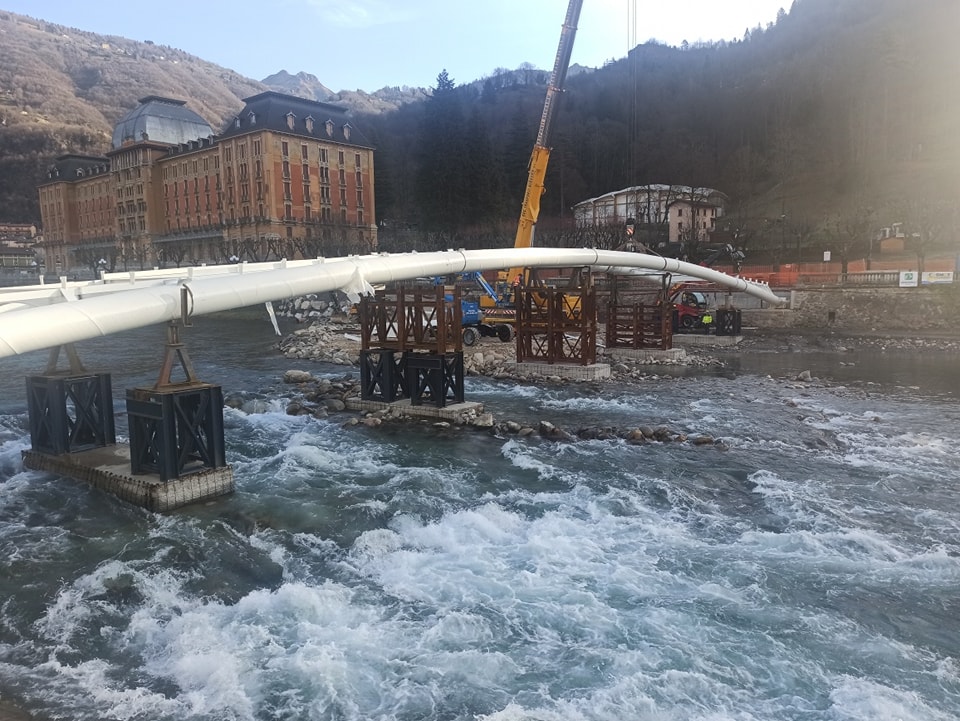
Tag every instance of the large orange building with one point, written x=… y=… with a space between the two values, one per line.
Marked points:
x=286 y=178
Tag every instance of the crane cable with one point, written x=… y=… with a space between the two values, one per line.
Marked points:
x=634 y=73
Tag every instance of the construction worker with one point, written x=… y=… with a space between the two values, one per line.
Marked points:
x=706 y=320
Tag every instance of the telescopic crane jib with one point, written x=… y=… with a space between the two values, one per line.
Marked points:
x=537 y=169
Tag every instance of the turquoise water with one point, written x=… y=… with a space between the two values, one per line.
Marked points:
x=804 y=569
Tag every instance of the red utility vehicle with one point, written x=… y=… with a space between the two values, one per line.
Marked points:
x=690 y=310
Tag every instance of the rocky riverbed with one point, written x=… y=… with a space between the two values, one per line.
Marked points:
x=335 y=339
x=323 y=397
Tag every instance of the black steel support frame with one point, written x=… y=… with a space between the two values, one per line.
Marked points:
x=728 y=321
x=434 y=379
x=176 y=431
x=383 y=375
x=70 y=413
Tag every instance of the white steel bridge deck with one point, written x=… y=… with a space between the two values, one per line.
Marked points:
x=48 y=315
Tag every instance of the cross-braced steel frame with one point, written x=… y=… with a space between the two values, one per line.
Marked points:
x=557 y=326
x=412 y=346
x=70 y=413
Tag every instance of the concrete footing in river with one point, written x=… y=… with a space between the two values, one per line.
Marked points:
x=698 y=340
x=672 y=355
x=570 y=371
x=108 y=468
x=453 y=412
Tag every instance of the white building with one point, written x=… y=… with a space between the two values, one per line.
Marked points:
x=685 y=213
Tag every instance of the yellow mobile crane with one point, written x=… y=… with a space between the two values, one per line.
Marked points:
x=536 y=171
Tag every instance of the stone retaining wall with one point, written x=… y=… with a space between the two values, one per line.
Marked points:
x=931 y=308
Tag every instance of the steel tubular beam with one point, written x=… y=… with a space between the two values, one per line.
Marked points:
x=95 y=311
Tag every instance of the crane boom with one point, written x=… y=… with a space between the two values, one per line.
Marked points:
x=499 y=304
x=560 y=65
x=537 y=169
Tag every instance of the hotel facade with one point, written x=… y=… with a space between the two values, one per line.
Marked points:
x=285 y=178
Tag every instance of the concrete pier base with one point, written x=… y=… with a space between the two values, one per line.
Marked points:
x=108 y=468
x=645 y=354
x=704 y=340
x=592 y=372
x=452 y=412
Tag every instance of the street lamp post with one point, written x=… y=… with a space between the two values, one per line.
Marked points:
x=101 y=267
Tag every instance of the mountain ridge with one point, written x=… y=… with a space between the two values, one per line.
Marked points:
x=840 y=105
x=62 y=89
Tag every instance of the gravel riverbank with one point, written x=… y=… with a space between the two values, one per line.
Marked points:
x=336 y=340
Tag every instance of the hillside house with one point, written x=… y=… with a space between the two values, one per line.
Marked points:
x=662 y=213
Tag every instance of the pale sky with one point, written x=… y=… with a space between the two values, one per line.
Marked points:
x=369 y=44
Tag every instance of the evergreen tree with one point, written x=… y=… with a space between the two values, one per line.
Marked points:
x=440 y=180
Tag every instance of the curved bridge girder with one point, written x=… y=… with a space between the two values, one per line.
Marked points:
x=75 y=312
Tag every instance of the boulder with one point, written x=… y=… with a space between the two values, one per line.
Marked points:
x=484 y=420
x=297 y=376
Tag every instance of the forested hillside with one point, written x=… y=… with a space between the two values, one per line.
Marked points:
x=838 y=118
x=62 y=90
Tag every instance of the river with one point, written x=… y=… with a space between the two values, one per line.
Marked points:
x=806 y=568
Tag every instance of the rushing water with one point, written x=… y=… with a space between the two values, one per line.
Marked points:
x=805 y=569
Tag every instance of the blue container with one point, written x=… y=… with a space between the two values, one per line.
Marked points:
x=471 y=312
